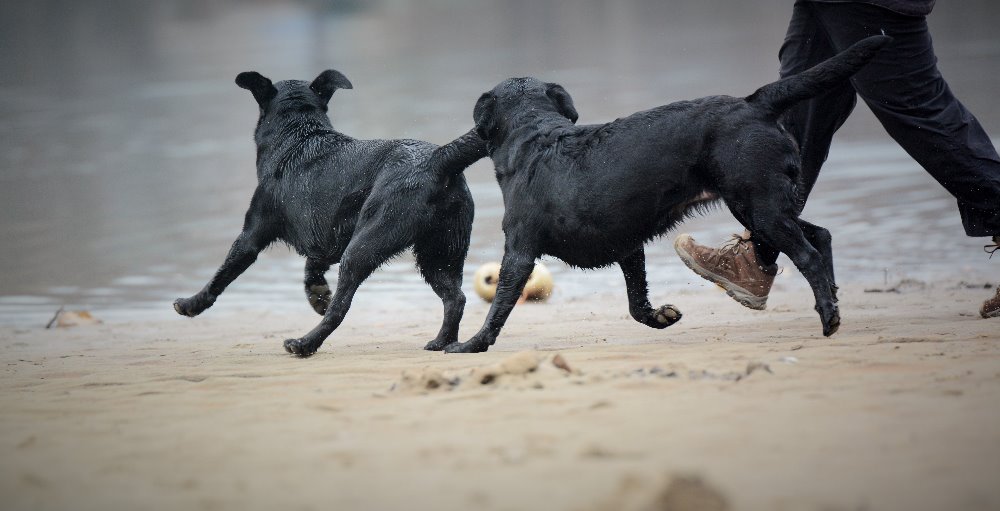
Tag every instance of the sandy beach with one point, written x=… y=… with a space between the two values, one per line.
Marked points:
x=897 y=411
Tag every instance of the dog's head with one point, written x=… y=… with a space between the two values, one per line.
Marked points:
x=292 y=96
x=498 y=108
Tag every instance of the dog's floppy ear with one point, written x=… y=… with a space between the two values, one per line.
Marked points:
x=485 y=115
x=562 y=100
x=329 y=81
x=261 y=87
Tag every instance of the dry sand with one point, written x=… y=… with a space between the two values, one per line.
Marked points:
x=899 y=410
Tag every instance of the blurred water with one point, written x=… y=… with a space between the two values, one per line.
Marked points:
x=126 y=154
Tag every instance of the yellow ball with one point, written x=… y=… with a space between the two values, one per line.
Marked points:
x=484 y=282
x=539 y=285
x=538 y=288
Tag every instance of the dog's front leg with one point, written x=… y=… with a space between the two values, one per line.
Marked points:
x=515 y=268
x=258 y=232
x=241 y=255
x=317 y=289
x=634 y=269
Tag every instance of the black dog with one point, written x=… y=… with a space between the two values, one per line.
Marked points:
x=593 y=195
x=354 y=202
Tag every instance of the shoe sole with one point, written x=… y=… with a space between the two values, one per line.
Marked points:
x=744 y=297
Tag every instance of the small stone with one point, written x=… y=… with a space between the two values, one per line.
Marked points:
x=560 y=362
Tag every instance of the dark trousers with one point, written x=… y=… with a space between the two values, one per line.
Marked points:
x=905 y=90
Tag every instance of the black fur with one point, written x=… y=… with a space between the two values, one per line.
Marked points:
x=335 y=199
x=594 y=195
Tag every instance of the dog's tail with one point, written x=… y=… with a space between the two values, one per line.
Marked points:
x=453 y=158
x=776 y=97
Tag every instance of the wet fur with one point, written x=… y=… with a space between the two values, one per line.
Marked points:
x=594 y=195
x=336 y=199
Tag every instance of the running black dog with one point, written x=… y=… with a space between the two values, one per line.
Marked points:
x=335 y=199
x=593 y=195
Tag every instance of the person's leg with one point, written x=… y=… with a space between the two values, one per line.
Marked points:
x=811 y=123
x=904 y=88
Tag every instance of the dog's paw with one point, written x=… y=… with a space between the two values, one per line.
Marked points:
x=831 y=325
x=193 y=306
x=438 y=345
x=319 y=297
x=666 y=315
x=473 y=346
x=300 y=347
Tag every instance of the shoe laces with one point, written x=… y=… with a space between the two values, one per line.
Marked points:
x=991 y=249
x=735 y=243
x=738 y=242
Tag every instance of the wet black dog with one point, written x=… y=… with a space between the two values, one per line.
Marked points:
x=335 y=199
x=593 y=195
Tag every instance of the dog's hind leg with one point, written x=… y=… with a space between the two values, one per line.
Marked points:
x=515 y=268
x=785 y=234
x=317 y=289
x=373 y=244
x=634 y=269
x=440 y=256
x=761 y=195
x=821 y=240
x=445 y=278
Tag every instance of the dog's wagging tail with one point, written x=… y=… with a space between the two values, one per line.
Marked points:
x=776 y=97
x=454 y=157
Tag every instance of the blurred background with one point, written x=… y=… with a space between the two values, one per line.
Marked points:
x=127 y=160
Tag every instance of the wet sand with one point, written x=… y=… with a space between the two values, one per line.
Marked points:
x=897 y=411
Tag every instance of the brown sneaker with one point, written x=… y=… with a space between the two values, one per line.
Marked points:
x=733 y=266
x=991 y=307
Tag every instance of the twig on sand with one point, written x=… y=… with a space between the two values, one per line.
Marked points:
x=55 y=316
